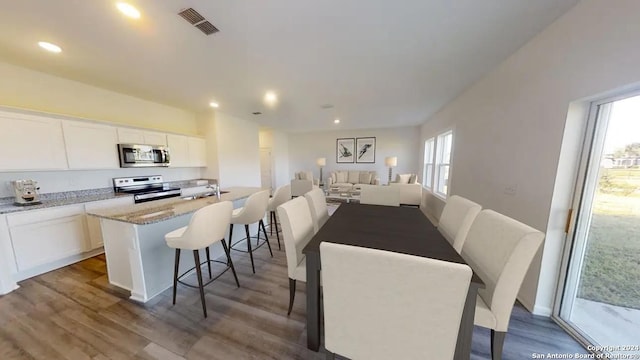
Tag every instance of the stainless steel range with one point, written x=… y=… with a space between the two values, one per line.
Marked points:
x=145 y=188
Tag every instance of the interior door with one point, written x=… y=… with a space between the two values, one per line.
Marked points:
x=600 y=299
x=265 y=168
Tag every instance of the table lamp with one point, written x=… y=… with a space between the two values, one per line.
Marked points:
x=391 y=162
x=321 y=162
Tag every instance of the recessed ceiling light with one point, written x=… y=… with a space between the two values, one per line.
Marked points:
x=50 y=47
x=128 y=10
x=214 y=104
x=270 y=97
x=336 y=121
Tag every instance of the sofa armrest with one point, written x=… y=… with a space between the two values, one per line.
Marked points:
x=410 y=194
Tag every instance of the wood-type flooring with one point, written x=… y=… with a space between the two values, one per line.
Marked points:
x=74 y=313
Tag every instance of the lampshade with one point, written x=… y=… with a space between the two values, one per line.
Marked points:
x=391 y=161
x=321 y=161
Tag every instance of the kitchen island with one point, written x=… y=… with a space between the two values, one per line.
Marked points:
x=138 y=258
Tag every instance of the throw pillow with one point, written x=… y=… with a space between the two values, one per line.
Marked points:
x=404 y=178
x=298 y=176
x=354 y=177
x=365 y=178
x=333 y=178
x=308 y=175
x=341 y=177
x=413 y=179
x=374 y=175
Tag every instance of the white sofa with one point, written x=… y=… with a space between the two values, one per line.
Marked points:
x=302 y=183
x=410 y=189
x=352 y=178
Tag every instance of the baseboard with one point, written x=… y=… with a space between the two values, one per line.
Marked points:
x=542 y=311
x=5 y=291
x=41 y=269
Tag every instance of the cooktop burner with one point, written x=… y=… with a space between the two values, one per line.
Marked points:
x=145 y=188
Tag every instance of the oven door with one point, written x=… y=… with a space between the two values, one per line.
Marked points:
x=132 y=155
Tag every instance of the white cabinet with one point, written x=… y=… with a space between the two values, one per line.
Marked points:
x=154 y=138
x=130 y=136
x=31 y=143
x=135 y=136
x=178 y=150
x=43 y=236
x=93 y=223
x=187 y=151
x=197 y=152
x=90 y=146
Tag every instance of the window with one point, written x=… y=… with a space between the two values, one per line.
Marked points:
x=429 y=154
x=443 y=162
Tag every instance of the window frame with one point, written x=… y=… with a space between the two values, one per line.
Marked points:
x=430 y=146
x=440 y=163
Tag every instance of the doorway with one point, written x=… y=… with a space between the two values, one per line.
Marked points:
x=265 y=168
x=600 y=299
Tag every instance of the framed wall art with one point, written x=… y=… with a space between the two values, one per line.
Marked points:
x=345 y=148
x=366 y=150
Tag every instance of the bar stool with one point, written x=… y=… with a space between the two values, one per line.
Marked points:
x=253 y=211
x=206 y=227
x=280 y=196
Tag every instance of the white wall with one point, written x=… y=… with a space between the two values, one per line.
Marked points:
x=238 y=150
x=28 y=89
x=509 y=126
x=403 y=142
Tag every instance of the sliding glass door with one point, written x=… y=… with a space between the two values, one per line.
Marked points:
x=600 y=300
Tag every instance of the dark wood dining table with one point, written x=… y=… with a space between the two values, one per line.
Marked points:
x=403 y=230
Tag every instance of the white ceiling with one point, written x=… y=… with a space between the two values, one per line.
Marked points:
x=379 y=62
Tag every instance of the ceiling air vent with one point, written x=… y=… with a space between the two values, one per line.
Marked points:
x=207 y=28
x=257 y=113
x=194 y=18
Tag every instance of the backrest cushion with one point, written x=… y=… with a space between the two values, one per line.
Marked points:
x=318 y=206
x=500 y=249
x=202 y=231
x=365 y=177
x=370 y=294
x=403 y=178
x=354 y=177
x=280 y=196
x=456 y=219
x=297 y=230
x=341 y=176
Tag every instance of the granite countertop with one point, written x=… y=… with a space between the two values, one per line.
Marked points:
x=77 y=197
x=160 y=210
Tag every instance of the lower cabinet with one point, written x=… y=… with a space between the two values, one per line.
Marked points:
x=44 y=236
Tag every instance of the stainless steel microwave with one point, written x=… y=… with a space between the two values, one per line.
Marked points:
x=133 y=155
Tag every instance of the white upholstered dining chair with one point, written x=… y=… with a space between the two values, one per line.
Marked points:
x=297 y=230
x=499 y=249
x=280 y=196
x=402 y=319
x=380 y=195
x=456 y=219
x=318 y=206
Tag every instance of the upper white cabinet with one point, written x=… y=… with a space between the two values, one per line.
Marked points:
x=135 y=136
x=178 y=150
x=154 y=138
x=90 y=146
x=187 y=151
x=197 y=152
x=31 y=143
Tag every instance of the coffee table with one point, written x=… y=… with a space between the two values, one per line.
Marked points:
x=343 y=194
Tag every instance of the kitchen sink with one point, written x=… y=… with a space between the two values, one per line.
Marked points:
x=202 y=195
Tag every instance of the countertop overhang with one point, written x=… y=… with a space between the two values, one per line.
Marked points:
x=160 y=210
